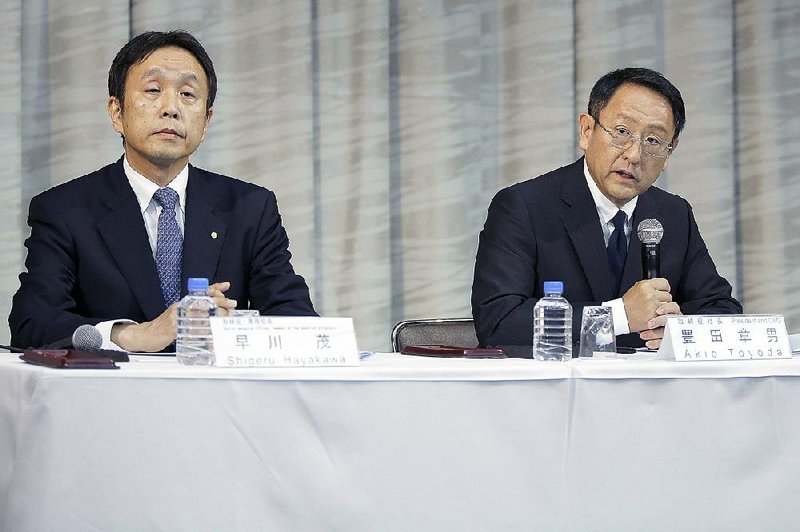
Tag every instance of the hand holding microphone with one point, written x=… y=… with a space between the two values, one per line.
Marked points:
x=650 y=300
x=642 y=301
x=644 y=298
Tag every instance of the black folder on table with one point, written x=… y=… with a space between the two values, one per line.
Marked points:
x=452 y=351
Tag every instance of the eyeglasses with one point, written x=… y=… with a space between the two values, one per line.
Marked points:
x=622 y=138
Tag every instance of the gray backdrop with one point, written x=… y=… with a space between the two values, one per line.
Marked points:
x=386 y=126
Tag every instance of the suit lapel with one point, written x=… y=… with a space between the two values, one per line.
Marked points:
x=204 y=229
x=581 y=221
x=122 y=229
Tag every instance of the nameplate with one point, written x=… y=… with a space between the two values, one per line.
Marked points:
x=725 y=337
x=268 y=341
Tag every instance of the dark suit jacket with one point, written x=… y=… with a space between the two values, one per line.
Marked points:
x=89 y=258
x=548 y=229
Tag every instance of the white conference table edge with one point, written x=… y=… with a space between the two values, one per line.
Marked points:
x=397 y=367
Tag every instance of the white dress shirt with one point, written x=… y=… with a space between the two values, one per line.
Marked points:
x=606 y=211
x=151 y=209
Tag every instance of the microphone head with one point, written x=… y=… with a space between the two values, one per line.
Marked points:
x=650 y=231
x=87 y=338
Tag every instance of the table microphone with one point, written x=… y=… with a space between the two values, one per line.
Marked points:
x=86 y=337
x=89 y=339
x=12 y=349
x=650 y=233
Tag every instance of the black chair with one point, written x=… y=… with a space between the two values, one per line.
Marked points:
x=458 y=332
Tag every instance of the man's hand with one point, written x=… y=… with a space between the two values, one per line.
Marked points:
x=153 y=336
x=642 y=301
x=150 y=336
x=217 y=292
x=653 y=335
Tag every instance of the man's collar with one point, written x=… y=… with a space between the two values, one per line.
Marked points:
x=144 y=188
x=605 y=207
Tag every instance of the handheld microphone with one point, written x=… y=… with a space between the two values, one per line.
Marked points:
x=650 y=233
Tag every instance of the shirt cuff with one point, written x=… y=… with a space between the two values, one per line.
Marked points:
x=620 y=317
x=105 y=329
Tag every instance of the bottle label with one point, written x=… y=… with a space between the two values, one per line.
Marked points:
x=267 y=341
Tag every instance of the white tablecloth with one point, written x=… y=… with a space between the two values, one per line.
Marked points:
x=402 y=443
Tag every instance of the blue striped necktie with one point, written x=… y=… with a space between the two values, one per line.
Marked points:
x=169 y=247
x=617 y=250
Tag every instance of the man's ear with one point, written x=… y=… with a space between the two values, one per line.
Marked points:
x=208 y=121
x=115 y=113
x=674 y=146
x=585 y=129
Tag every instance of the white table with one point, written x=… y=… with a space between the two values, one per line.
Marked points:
x=402 y=443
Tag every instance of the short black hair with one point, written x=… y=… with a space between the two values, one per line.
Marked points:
x=144 y=44
x=604 y=90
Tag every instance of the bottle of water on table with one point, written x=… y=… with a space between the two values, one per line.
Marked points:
x=552 y=324
x=194 y=345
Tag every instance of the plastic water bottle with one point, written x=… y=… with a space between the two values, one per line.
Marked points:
x=194 y=345
x=552 y=324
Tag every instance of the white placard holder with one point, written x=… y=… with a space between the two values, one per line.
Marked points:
x=725 y=337
x=269 y=341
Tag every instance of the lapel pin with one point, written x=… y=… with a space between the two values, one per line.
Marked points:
x=213 y=234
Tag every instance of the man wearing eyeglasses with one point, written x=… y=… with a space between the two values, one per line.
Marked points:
x=578 y=224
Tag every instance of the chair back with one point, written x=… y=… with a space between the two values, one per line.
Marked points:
x=458 y=332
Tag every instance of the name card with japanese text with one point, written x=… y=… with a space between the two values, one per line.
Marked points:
x=725 y=337
x=268 y=341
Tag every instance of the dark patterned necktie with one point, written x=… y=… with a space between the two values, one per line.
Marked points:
x=617 y=250
x=169 y=247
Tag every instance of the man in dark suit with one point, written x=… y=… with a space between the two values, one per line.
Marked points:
x=576 y=224
x=114 y=248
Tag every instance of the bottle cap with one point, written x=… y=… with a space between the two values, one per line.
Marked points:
x=551 y=287
x=197 y=284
